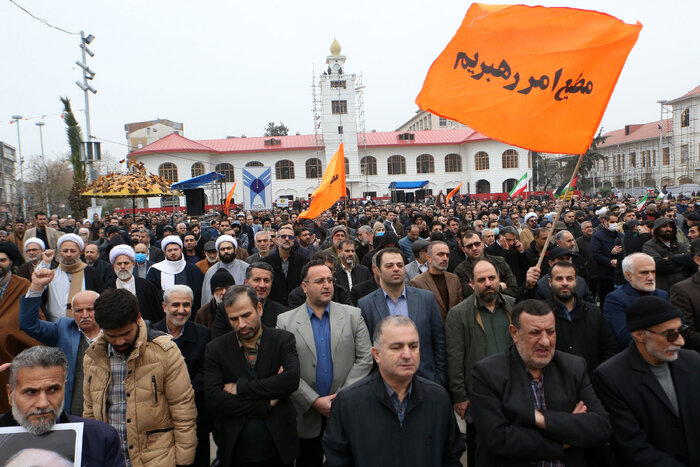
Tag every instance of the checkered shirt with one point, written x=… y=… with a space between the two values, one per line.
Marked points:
x=116 y=398
x=537 y=387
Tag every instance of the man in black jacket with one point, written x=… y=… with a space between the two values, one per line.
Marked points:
x=672 y=258
x=249 y=375
x=650 y=390
x=286 y=265
x=191 y=338
x=531 y=404
x=393 y=417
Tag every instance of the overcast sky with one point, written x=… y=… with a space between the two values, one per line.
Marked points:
x=230 y=67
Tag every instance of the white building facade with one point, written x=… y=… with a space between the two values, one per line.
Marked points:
x=443 y=158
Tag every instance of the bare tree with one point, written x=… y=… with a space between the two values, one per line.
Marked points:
x=51 y=182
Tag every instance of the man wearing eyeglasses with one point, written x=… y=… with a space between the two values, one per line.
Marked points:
x=650 y=390
x=334 y=350
x=473 y=248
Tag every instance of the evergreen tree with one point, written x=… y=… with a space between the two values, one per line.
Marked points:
x=78 y=203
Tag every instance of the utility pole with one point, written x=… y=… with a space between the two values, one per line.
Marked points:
x=659 y=159
x=91 y=149
x=46 y=167
x=17 y=118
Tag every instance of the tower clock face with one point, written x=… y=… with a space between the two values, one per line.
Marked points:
x=336 y=66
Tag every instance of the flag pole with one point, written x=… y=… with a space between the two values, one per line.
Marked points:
x=559 y=209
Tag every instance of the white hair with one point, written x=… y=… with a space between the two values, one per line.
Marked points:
x=628 y=262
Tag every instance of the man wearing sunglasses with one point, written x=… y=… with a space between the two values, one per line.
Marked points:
x=286 y=264
x=650 y=389
x=473 y=247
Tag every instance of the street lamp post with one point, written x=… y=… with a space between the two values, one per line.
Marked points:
x=46 y=167
x=17 y=118
x=88 y=75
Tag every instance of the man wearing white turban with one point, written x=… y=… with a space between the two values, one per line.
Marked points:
x=175 y=270
x=226 y=246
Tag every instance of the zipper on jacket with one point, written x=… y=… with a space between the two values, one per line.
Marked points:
x=155 y=389
x=159 y=430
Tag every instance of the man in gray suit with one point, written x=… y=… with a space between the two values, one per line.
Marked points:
x=334 y=351
x=395 y=298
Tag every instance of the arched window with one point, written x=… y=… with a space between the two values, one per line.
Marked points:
x=226 y=170
x=197 y=169
x=509 y=184
x=168 y=171
x=453 y=163
x=313 y=168
x=509 y=160
x=425 y=164
x=481 y=161
x=368 y=165
x=254 y=164
x=284 y=170
x=396 y=165
x=347 y=166
x=483 y=186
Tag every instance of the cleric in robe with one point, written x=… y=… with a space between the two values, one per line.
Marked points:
x=175 y=270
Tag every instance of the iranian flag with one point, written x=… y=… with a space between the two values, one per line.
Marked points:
x=519 y=187
x=642 y=202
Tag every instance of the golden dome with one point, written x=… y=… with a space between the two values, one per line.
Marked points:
x=335 y=48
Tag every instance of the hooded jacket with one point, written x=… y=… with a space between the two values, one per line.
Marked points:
x=673 y=261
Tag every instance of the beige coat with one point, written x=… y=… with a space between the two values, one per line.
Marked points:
x=454 y=290
x=161 y=417
x=52 y=235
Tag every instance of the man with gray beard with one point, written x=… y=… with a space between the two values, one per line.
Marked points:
x=37 y=384
x=123 y=259
x=650 y=390
x=33 y=248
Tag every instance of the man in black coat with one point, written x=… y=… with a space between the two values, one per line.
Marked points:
x=175 y=270
x=393 y=417
x=532 y=404
x=102 y=267
x=286 y=265
x=191 y=338
x=346 y=272
x=650 y=390
x=249 y=375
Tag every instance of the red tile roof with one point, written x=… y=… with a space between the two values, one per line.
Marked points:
x=176 y=143
x=636 y=133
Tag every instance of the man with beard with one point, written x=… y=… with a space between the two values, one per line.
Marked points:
x=531 y=404
x=685 y=296
x=444 y=285
x=248 y=391
x=365 y=239
x=226 y=246
x=71 y=335
x=33 y=248
x=581 y=328
x=136 y=380
x=650 y=390
x=348 y=272
x=17 y=235
x=337 y=235
x=263 y=245
x=48 y=235
x=123 y=258
x=473 y=248
x=211 y=257
x=36 y=388
x=175 y=270
x=673 y=261
x=12 y=288
x=221 y=281
x=476 y=328
x=70 y=277
x=191 y=338
x=286 y=265
x=102 y=267
x=639 y=270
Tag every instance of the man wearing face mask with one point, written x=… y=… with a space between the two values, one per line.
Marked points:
x=211 y=257
x=123 y=258
x=142 y=262
x=226 y=246
x=221 y=281
x=606 y=250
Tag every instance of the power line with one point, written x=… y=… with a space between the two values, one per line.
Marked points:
x=42 y=20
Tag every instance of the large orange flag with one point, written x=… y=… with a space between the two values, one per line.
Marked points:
x=227 y=204
x=331 y=189
x=535 y=77
x=453 y=192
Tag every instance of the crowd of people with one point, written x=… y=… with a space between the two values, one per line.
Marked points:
x=378 y=334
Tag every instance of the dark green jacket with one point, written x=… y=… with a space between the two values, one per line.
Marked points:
x=464 y=272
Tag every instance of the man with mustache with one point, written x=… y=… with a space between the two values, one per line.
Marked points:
x=175 y=270
x=393 y=401
x=532 y=404
x=444 y=285
x=33 y=248
x=72 y=335
x=226 y=246
x=650 y=390
x=673 y=260
x=36 y=393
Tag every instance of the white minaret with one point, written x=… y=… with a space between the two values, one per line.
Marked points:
x=339 y=115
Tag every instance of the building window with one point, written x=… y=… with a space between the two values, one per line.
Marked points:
x=407 y=137
x=372 y=194
x=666 y=156
x=653 y=158
x=442 y=122
x=226 y=170
x=273 y=142
x=347 y=166
x=633 y=159
x=684 y=153
x=339 y=107
x=340 y=84
x=340 y=130
x=368 y=165
x=254 y=164
x=168 y=171
x=685 y=118
x=481 y=161
x=425 y=164
x=644 y=159
x=453 y=163
x=313 y=168
x=284 y=170
x=509 y=159
x=396 y=165
x=197 y=169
